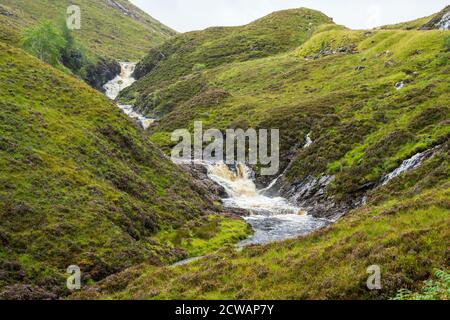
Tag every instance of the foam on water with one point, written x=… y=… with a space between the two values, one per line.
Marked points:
x=121 y=82
x=273 y=219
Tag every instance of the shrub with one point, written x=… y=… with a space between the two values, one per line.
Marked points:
x=438 y=289
x=44 y=41
x=198 y=67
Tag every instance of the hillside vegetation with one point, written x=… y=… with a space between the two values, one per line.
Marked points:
x=340 y=86
x=81 y=184
x=194 y=51
x=370 y=99
x=109 y=28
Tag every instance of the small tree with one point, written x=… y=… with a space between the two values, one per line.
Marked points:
x=44 y=41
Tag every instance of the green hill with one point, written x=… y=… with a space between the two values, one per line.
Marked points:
x=81 y=184
x=109 y=28
x=370 y=99
x=340 y=85
x=212 y=47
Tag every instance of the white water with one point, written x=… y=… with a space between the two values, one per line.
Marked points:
x=122 y=81
x=309 y=141
x=407 y=165
x=444 y=24
x=273 y=219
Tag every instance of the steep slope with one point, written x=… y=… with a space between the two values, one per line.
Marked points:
x=81 y=184
x=109 y=28
x=369 y=100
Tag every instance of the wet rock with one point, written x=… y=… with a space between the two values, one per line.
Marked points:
x=409 y=164
x=311 y=195
x=441 y=21
x=101 y=73
x=212 y=190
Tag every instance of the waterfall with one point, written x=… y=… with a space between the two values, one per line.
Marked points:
x=273 y=219
x=123 y=81
x=407 y=165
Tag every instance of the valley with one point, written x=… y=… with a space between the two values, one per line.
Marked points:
x=87 y=179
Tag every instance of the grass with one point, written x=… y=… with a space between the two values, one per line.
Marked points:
x=214 y=234
x=221 y=45
x=105 y=30
x=362 y=127
x=435 y=289
x=406 y=234
x=81 y=184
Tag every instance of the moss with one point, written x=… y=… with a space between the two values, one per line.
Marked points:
x=199 y=239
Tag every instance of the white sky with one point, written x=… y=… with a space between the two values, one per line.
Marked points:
x=187 y=15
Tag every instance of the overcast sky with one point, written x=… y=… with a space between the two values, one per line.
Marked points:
x=187 y=15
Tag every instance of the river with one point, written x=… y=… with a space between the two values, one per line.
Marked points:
x=272 y=218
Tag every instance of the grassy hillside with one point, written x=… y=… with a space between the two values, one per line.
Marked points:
x=409 y=25
x=404 y=229
x=212 y=47
x=370 y=100
x=109 y=28
x=81 y=184
x=339 y=85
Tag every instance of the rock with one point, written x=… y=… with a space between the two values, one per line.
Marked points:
x=5 y=11
x=311 y=195
x=399 y=85
x=441 y=21
x=212 y=190
x=238 y=212
x=389 y=63
x=101 y=73
x=26 y=292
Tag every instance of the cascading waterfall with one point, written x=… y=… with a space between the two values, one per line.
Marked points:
x=408 y=165
x=122 y=81
x=273 y=219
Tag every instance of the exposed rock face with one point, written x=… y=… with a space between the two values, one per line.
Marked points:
x=5 y=11
x=349 y=49
x=101 y=73
x=441 y=21
x=212 y=190
x=311 y=194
